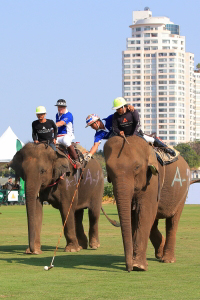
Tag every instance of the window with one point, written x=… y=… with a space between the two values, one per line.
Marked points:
x=138 y=29
x=162 y=65
x=162 y=70
x=163 y=87
x=162 y=104
x=162 y=132
x=147 y=35
x=162 y=76
x=127 y=55
x=163 y=82
x=147 y=28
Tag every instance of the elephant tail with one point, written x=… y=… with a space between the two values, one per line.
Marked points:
x=113 y=222
x=194 y=181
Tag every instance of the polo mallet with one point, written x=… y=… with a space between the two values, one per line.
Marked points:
x=125 y=139
x=46 y=268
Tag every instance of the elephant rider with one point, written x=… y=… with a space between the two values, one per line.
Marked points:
x=64 y=122
x=126 y=123
x=43 y=128
x=103 y=129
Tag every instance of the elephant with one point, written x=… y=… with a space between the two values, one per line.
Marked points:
x=41 y=167
x=144 y=196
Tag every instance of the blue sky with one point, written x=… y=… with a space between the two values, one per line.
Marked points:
x=72 y=50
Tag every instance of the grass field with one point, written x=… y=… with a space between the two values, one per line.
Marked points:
x=94 y=274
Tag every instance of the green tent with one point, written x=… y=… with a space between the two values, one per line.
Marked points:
x=21 y=182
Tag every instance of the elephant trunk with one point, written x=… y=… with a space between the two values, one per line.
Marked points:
x=32 y=190
x=123 y=194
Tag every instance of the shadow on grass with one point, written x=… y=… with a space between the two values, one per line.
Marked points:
x=70 y=260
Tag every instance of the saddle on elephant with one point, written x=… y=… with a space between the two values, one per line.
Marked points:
x=163 y=157
x=80 y=151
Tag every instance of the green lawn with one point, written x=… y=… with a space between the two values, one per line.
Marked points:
x=94 y=274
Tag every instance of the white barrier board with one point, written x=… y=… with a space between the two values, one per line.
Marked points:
x=13 y=196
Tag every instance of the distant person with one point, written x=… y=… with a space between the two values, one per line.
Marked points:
x=44 y=130
x=64 y=122
x=9 y=185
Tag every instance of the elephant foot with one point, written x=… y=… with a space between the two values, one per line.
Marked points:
x=83 y=243
x=159 y=251
x=72 y=248
x=168 y=260
x=36 y=252
x=94 y=245
x=138 y=267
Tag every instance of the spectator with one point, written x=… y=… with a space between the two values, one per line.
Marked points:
x=9 y=185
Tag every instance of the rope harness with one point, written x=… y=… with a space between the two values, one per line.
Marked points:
x=51 y=265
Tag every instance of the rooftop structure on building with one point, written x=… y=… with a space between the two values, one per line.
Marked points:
x=158 y=78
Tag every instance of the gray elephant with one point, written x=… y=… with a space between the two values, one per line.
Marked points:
x=143 y=198
x=41 y=169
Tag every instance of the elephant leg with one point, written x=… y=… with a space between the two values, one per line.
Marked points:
x=157 y=240
x=141 y=228
x=171 y=229
x=69 y=230
x=93 y=228
x=38 y=227
x=80 y=234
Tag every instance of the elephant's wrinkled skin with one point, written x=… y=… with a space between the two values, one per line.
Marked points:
x=138 y=201
x=39 y=167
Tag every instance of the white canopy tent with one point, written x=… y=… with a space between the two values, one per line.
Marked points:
x=8 y=145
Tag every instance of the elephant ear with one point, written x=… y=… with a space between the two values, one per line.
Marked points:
x=60 y=166
x=152 y=163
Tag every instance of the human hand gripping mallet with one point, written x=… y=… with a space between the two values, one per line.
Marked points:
x=46 y=268
x=123 y=135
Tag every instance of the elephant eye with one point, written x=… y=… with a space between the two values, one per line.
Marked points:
x=137 y=167
x=42 y=171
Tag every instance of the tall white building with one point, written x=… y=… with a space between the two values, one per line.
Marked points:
x=197 y=102
x=158 y=78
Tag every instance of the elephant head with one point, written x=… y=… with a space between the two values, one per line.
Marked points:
x=39 y=166
x=129 y=170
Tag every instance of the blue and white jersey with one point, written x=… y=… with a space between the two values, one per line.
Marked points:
x=68 y=127
x=104 y=134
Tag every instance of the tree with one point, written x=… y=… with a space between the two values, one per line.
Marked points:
x=198 y=66
x=189 y=155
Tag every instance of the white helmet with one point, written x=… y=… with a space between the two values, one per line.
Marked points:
x=92 y=118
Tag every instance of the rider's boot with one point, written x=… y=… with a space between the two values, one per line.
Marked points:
x=74 y=156
x=159 y=144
